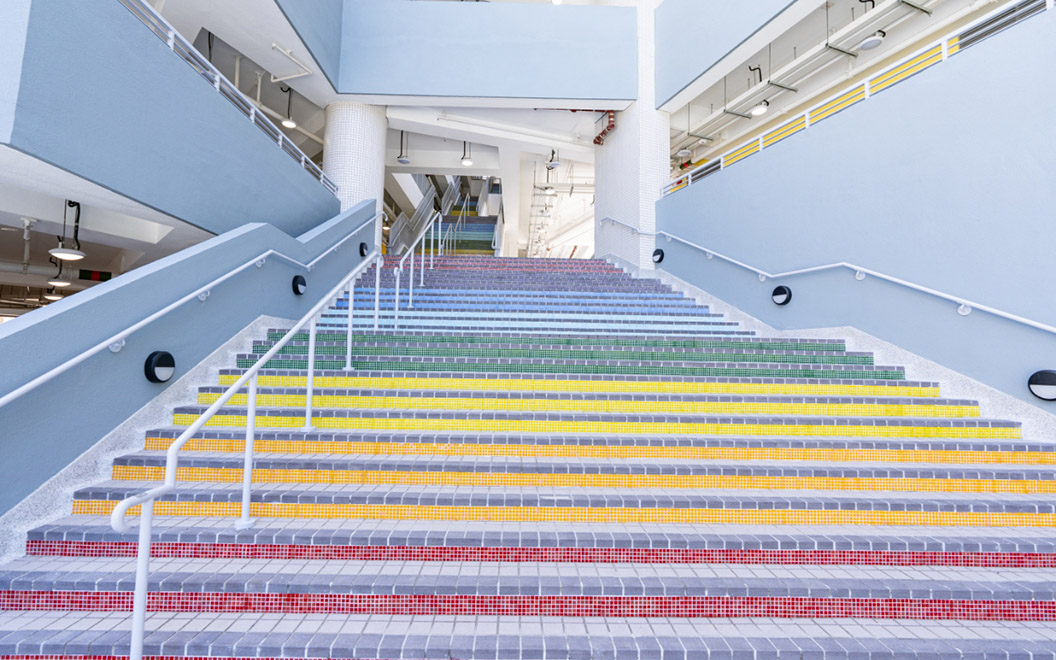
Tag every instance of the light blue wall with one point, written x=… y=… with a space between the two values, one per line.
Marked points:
x=46 y=429
x=929 y=181
x=102 y=97
x=692 y=35
x=14 y=21
x=318 y=24
x=495 y=50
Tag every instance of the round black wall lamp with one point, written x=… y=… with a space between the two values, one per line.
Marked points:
x=300 y=285
x=1043 y=385
x=159 y=367
x=363 y=249
x=782 y=295
x=658 y=255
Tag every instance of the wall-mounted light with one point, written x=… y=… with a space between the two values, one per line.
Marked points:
x=467 y=155
x=1042 y=384
x=288 y=119
x=658 y=255
x=781 y=295
x=299 y=284
x=159 y=367
x=363 y=249
x=761 y=109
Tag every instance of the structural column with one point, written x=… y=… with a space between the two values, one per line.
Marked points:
x=633 y=164
x=354 y=151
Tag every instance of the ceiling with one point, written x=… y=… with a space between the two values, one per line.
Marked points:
x=805 y=67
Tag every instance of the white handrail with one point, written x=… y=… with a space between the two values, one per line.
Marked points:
x=117 y=517
x=634 y=230
x=965 y=306
x=117 y=341
x=431 y=225
x=176 y=42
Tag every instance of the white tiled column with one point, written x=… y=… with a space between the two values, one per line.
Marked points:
x=354 y=151
x=632 y=165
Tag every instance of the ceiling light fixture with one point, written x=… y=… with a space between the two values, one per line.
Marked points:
x=554 y=161
x=467 y=155
x=556 y=2
x=684 y=153
x=761 y=109
x=549 y=191
x=288 y=120
x=62 y=252
x=58 y=284
x=873 y=41
x=51 y=295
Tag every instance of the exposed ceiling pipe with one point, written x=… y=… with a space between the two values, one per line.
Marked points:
x=25 y=269
x=26 y=233
x=305 y=71
x=600 y=138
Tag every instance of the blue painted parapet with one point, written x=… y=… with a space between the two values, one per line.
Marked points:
x=44 y=430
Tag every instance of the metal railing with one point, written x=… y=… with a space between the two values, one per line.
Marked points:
x=177 y=44
x=117 y=341
x=145 y=500
x=449 y=241
x=433 y=229
x=500 y=231
x=904 y=67
x=964 y=308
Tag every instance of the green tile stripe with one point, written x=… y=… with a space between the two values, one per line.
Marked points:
x=567 y=341
x=593 y=369
x=571 y=354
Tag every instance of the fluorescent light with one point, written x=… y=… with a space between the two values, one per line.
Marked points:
x=56 y=282
x=289 y=123
x=761 y=109
x=67 y=254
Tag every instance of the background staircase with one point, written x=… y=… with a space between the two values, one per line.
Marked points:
x=552 y=459
x=476 y=236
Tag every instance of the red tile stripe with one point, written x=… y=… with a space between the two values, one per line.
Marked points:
x=611 y=606
x=567 y=555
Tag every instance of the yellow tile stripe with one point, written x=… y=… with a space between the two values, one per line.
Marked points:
x=228 y=445
x=837 y=104
x=537 y=480
x=899 y=73
x=791 y=128
x=741 y=154
x=953 y=45
x=635 y=428
x=603 y=406
x=606 y=386
x=582 y=514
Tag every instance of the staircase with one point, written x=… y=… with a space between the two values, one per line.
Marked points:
x=476 y=236
x=554 y=460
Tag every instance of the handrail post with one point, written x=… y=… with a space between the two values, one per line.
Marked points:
x=432 y=243
x=348 y=326
x=440 y=236
x=139 y=598
x=377 y=299
x=421 y=282
x=310 y=381
x=245 y=522
x=396 y=306
x=410 y=281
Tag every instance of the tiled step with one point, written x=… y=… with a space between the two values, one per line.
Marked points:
x=511 y=316
x=409 y=540
x=944 y=451
x=603 y=403
x=580 y=505
x=681 y=356
x=687 y=344
x=596 y=473
x=490 y=421
x=428 y=364
x=536 y=589
x=366 y=292
x=88 y=635
x=498 y=324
